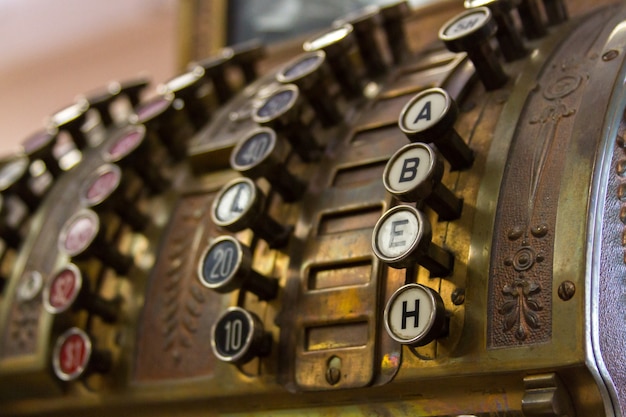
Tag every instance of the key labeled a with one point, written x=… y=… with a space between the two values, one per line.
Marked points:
x=429 y=117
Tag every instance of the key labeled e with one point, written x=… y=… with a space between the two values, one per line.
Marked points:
x=396 y=234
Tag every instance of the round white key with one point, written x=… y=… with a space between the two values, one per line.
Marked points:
x=414 y=315
x=239 y=205
x=466 y=23
x=470 y=32
x=30 y=286
x=397 y=233
x=424 y=110
x=414 y=174
x=408 y=168
x=234 y=201
x=429 y=117
x=402 y=239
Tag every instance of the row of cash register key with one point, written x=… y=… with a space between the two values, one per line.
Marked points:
x=415 y=314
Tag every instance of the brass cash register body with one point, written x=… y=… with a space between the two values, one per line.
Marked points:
x=531 y=320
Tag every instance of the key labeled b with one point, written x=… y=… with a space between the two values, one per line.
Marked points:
x=414 y=174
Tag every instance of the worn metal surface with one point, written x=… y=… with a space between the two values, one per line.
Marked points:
x=531 y=306
x=521 y=281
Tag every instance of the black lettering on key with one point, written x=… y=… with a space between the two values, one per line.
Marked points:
x=424 y=113
x=409 y=169
x=407 y=314
x=465 y=25
x=395 y=232
x=236 y=207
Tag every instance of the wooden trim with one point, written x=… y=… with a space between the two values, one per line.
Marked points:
x=202 y=29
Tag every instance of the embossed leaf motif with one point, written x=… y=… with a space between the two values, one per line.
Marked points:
x=520 y=307
x=182 y=299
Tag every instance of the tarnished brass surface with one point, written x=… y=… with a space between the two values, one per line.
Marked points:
x=521 y=281
x=534 y=304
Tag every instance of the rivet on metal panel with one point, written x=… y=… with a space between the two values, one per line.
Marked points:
x=610 y=55
x=458 y=296
x=567 y=289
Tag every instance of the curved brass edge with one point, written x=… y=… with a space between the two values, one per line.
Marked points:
x=568 y=340
x=598 y=210
x=554 y=334
x=34 y=361
x=581 y=202
x=591 y=137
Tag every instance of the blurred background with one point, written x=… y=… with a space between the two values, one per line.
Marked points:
x=52 y=51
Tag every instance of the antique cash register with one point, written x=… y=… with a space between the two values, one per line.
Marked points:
x=414 y=212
